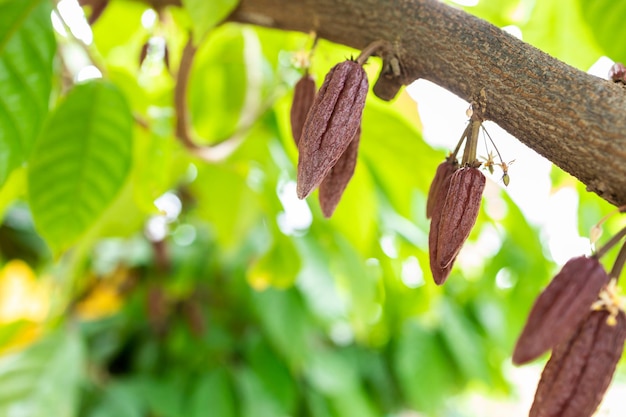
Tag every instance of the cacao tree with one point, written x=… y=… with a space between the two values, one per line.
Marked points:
x=231 y=208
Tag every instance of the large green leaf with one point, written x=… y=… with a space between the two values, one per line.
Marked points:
x=278 y=267
x=463 y=342
x=273 y=373
x=213 y=394
x=206 y=14
x=286 y=323
x=227 y=203
x=120 y=399
x=80 y=162
x=42 y=380
x=218 y=83
x=256 y=400
x=396 y=155
x=424 y=371
x=606 y=21
x=27 y=47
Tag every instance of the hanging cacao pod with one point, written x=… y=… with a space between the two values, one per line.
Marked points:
x=561 y=307
x=330 y=124
x=333 y=186
x=459 y=213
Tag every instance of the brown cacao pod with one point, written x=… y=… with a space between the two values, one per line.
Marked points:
x=303 y=96
x=333 y=186
x=440 y=275
x=560 y=308
x=439 y=186
x=436 y=200
x=580 y=370
x=459 y=213
x=330 y=124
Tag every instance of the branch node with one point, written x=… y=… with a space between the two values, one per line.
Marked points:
x=390 y=79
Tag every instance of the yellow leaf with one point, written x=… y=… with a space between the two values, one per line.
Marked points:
x=104 y=300
x=22 y=296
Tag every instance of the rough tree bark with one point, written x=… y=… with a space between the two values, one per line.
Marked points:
x=574 y=119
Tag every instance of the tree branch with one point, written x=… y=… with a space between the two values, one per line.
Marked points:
x=574 y=119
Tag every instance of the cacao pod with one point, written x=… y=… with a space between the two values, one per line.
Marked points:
x=333 y=186
x=561 y=307
x=330 y=124
x=459 y=213
x=439 y=186
x=580 y=370
x=436 y=199
x=303 y=96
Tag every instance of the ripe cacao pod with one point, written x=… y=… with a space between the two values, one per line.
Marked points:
x=434 y=206
x=561 y=307
x=303 y=96
x=439 y=186
x=580 y=369
x=459 y=213
x=333 y=186
x=330 y=124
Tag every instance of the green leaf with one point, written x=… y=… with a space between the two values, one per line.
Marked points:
x=13 y=188
x=556 y=25
x=213 y=392
x=606 y=21
x=152 y=163
x=256 y=401
x=424 y=371
x=120 y=399
x=497 y=12
x=357 y=208
x=27 y=48
x=218 y=83
x=353 y=403
x=399 y=163
x=164 y=396
x=463 y=342
x=331 y=373
x=318 y=405
x=80 y=162
x=118 y=30
x=286 y=323
x=205 y=15
x=226 y=202
x=278 y=267
x=43 y=380
x=273 y=373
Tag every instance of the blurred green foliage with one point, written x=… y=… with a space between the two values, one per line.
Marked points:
x=238 y=300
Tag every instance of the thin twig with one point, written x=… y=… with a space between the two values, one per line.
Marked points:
x=619 y=263
x=612 y=242
x=370 y=50
x=460 y=142
x=222 y=148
